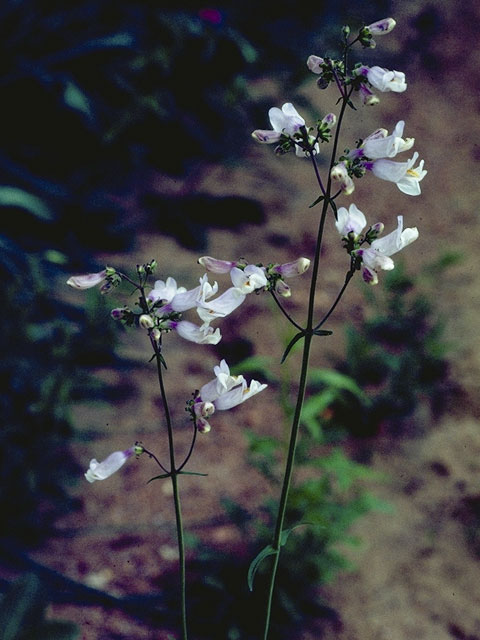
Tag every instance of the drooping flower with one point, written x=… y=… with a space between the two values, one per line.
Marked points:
x=291 y=269
x=368 y=97
x=404 y=174
x=339 y=173
x=111 y=464
x=377 y=256
x=315 y=64
x=88 y=280
x=223 y=392
x=217 y=266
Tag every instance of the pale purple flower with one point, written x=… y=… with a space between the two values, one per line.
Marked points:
x=87 y=281
x=350 y=221
x=222 y=306
x=216 y=266
x=381 y=27
x=404 y=174
x=315 y=63
x=292 y=269
x=377 y=256
x=165 y=291
x=249 y=279
x=111 y=464
x=368 y=97
x=178 y=298
x=223 y=392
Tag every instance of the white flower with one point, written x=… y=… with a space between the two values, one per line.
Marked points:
x=381 y=145
x=111 y=464
x=384 y=80
x=339 y=173
x=87 y=281
x=406 y=177
x=286 y=121
x=165 y=291
x=368 y=97
x=192 y=332
x=377 y=256
x=222 y=306
x=223 y=392
x=249 y=279
x=381 y=27
x=351 y=221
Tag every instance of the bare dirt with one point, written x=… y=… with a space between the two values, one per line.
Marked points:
x=416 y=575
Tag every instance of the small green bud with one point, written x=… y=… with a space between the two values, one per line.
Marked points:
x=345 y=31
x=138 y=449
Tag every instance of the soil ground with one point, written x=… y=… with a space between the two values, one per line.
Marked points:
x=416 y=575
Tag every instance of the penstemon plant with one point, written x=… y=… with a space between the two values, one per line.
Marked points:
x=161 y=305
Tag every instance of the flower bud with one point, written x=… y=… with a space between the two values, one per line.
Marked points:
x=292 y=269
x=345 y=31
x=155 y=334
x=330 y=119
x=145 y=321
x=368 y=97
x=339 y=172
x=88 y=280
x=216 y=266
x=118 y=313
x=203 y=426
x=282 y=289
x=381 y=27
x=314 y=63
x=265 y=136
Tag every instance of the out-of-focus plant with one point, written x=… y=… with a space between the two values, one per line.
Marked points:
x=22 y=614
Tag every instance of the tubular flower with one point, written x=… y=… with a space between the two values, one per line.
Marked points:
x=292 y=269
x=178 y=298
x=381 y=145
x=384 y=80
x=223 y=392
x=377 y=256
x=406 y=177
x=381 y=27
x=285 y=122
x=192 y=332
x=111 y=464
x=87 y=281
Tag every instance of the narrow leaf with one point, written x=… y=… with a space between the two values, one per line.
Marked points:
x=13 y=197
x=160 y=477
x=192 y=473
x=252 y=569
x=292 y=342
x=319 y=199
x=322 y=332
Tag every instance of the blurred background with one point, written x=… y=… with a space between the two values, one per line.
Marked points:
x=126 y=137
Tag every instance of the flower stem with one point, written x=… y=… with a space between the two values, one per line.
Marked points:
x=174 y=472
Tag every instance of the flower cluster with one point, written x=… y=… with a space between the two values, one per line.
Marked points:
x=351 y=223
x=375 y=154
x=223 y=392
x=161 y=310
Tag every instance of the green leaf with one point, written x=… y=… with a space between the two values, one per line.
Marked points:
x=192 y=473
x=319 y=199
x=292 y=342
x=14 y=197
x=252 y=569
x=160 y=477
x=322 y=332
x=76 y=99
x=337 y=380
x=21 y=608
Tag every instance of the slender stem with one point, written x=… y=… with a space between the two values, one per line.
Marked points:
x=308 y=335
x=192 y=445
x=176 y=494
x=348 y=277
x=285 y=312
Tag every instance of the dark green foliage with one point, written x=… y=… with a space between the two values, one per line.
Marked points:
x=22 y=614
